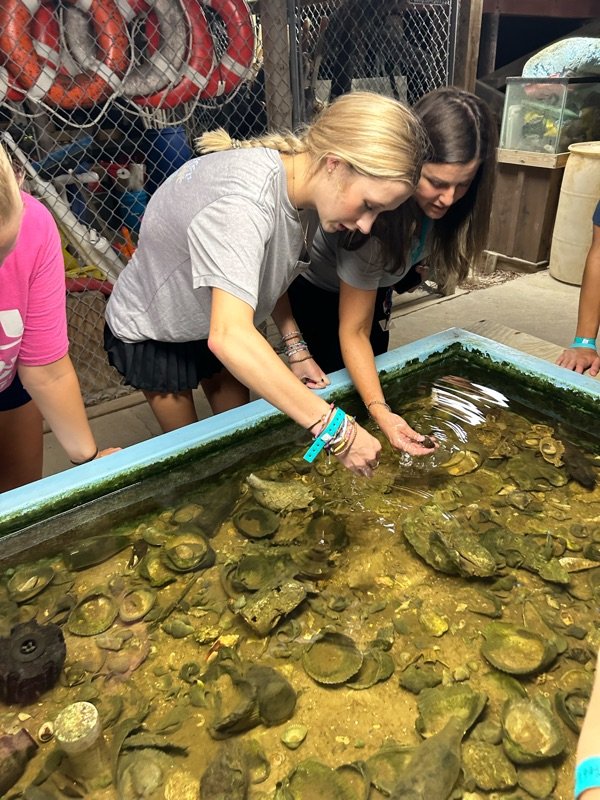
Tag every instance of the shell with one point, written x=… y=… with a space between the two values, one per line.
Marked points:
x=516 y=650
x=136 y=603
x=531 y=732
x=387 y=764
x=28 y=582
x=332 y=658
x=327 y=529
x=377 y=666
x=442 y=703
x=46 y=732
x=153 y=569
x=186 y=552
x=487 y=765
x=551 y=450
x=275 y=695
x=93 y=614
x=311 y=779
x=256 y=522
x=294 y=735
x=538 y=780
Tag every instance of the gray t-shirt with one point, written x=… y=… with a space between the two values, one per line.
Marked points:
x=363 y=268
x=223 y=220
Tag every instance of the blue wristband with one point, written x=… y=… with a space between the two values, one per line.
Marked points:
x=587 y=775
x=325 y=436
x=584 y=341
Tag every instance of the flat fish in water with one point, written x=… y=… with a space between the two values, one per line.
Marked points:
x=434 y=767
x=280 y=495
x=578 y=467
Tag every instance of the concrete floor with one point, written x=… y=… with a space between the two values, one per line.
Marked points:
x=531 y=312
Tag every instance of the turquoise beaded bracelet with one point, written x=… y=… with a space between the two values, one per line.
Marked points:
x=587 y=775
x=584 y=341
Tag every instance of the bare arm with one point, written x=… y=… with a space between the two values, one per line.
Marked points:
x=55 y=390
x=589 y=738
x=249 y=357
x=304 y=368
x=356 y=314
x=588 y=320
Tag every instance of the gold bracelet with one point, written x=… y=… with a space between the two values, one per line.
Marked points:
x=377 y=403
x=299 y=360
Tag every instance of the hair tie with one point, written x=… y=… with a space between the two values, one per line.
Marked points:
x=235 y=143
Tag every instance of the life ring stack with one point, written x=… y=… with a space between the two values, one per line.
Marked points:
x=92 y=52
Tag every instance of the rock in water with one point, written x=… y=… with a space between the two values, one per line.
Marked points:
x=15 y=752
x=227 y=777
x=434 y=767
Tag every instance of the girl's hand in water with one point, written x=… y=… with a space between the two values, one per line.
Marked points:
x=402 y=437
x=362 y=458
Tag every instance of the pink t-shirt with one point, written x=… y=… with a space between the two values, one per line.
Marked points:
x=33 y=317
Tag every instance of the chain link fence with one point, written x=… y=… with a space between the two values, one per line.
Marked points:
x=100 y=100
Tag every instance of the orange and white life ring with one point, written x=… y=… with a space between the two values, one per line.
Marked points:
x=199 y=64
x=203 y=76
x=234 y=65
x=45 y=33
x=163 y=27
x=32 y=73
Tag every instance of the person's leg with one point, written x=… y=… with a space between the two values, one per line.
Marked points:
x=380 y=335
x=223 y=391
x=173 y=410
x=21 y=446
x=317 y=313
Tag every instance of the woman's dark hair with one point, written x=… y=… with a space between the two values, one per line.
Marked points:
x=461 y=128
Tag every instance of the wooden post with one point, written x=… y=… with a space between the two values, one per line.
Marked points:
x=490 y=24
x=276 y=48
x=468 y=33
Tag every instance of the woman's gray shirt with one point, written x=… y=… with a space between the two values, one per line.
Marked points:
x=223 y=220
x=363 y=268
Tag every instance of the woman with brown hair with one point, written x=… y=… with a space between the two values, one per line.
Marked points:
x=342 y=303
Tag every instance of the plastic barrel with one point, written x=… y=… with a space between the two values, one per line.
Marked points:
x=579 y=194
x=167 y=149
x=133 y=205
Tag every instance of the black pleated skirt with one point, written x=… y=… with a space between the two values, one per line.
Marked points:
x=165 y=367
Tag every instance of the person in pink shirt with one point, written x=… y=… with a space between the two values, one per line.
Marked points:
x=37 y=378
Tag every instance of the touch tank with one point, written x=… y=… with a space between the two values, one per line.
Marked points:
x=226 y=620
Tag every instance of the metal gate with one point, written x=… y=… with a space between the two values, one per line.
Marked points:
x=100 y=101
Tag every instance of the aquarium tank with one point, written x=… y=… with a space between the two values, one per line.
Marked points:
x=546 y=115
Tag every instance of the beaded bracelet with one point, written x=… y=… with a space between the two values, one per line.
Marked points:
x=584 y=341
x=86 y=460
x=291 y=335
x=587 y=775
x=290 y=349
